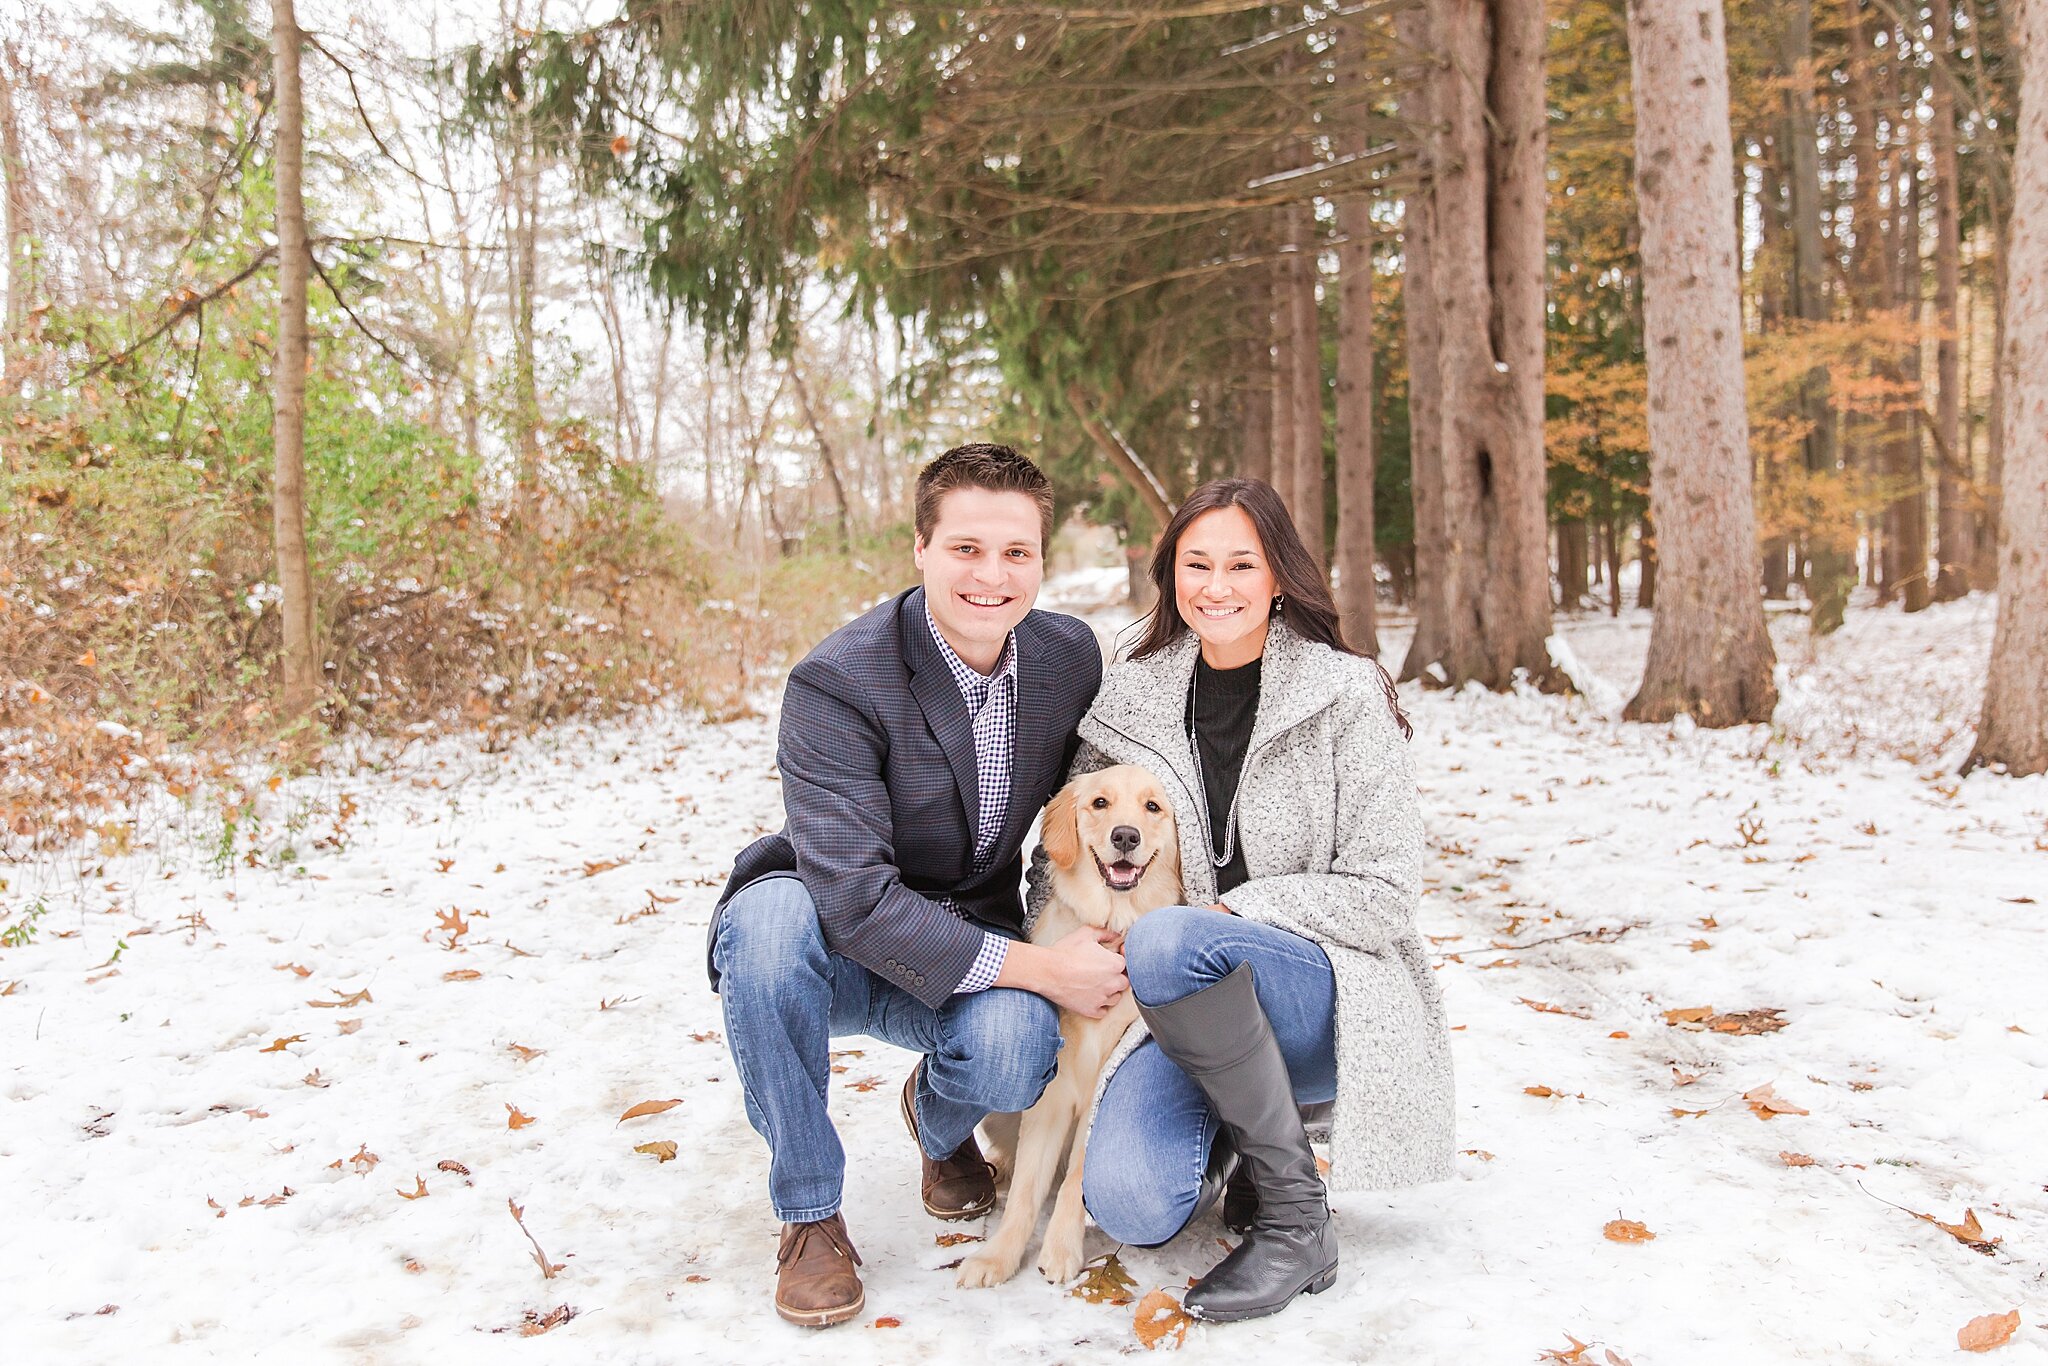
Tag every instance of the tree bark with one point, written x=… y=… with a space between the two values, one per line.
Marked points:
x=1307 y=389
x=1571 y=563
x=2014 y=730
x=1255 y=398
x=1830 y=568
x=301 y=668
x=14 y=206
x=1953 y=541
x=1710 y=656
x=1356 y=590
x=1281 y=475
x=1424 y=332
x=1487 y=183
x=522 y=209
x=1905 y=520
x=828 y=457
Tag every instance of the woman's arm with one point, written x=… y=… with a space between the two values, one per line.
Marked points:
x=1370 y=893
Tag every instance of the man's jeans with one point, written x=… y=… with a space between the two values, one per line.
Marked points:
x=1150 y=1143
x=786 y=996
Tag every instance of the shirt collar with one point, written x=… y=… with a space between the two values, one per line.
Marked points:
x=967 y=678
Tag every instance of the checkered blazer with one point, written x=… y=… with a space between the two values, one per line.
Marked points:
x=879 y=790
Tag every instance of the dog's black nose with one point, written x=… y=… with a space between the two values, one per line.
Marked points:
x=1125 y=838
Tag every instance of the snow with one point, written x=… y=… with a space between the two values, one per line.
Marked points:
x=1830 y=866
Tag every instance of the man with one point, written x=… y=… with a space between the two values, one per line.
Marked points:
x=917 y=743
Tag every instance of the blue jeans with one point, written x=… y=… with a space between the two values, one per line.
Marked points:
x=786 y=997
x=1150 y=1143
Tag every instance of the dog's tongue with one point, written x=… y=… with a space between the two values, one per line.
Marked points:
x=1123 y=875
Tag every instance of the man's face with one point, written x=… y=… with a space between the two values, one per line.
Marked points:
x=982 y=568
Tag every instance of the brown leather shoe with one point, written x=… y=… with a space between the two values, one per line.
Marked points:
x=962 y=1186
x=815 y=1281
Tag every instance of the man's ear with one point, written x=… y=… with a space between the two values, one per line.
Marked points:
x=917 y=551
x=1061 y=831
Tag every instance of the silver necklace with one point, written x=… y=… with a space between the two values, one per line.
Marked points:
x=1221 y=860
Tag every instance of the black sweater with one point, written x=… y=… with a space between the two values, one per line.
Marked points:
x=1222 y=704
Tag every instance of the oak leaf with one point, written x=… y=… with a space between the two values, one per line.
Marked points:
x=1626 y=1231
x=1969 y=1233
x=956 y=1239
x=524 y=1053
x=514 y=1119
x=1986 y=1331
x=1571 y=1355
x=419 y=1191
x=1159 y=1316
x=1679 y=1078
x=354 y=998
x=649 y=1107
x=1104 y=1281
x=661 y=1150
x=1795 y=1159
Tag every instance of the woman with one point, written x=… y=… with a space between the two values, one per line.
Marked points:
x=1295 y=976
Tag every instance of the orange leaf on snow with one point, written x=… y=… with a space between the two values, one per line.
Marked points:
x=280 y=1045
x=1537 y=1091
x=887 y=1321
x=292 y=968
x=419 y=1191
x=1480 y=1153
x=649 y=1107
x=1626 y=1231
x=514 y=1119
x=1159 y=1317
x=1767 y=1102
x=1986 y=1331
x=1571 y=1355
x=1683 y=1015
x=461 y=975
x=1969 y=1233
x=956 y=1239
x=354 y=998
x=1679 y=1078
x=349 y=1026
x=1548 y=1009
x=215 y=1206
x=661 y=1150
x=525 y=1054
x=1795 y=1159
x=593 y=867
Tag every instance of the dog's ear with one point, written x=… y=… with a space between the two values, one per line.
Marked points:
x=1061 y=831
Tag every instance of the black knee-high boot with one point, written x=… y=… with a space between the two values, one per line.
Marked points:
x=1220 y=1037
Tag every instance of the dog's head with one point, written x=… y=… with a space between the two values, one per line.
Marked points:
x=1114 y=829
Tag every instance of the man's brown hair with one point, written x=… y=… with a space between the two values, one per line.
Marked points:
x=982 y=465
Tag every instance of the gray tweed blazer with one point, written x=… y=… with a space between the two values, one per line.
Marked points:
x=880 y=797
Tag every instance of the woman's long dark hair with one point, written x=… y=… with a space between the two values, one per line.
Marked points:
x=1309 y=610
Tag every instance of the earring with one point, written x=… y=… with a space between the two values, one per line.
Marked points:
x=1279 y=603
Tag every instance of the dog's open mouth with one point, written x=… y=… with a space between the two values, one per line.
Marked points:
x=1122 y=875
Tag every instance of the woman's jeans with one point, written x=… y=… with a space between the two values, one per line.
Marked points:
x=787 y=996
x=1150 y=1143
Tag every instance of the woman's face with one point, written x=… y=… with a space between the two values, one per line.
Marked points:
x=1224 y=587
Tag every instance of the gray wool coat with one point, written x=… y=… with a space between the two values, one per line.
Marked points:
x=1332 y=836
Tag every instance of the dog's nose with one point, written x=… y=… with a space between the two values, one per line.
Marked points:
x=1125 y=838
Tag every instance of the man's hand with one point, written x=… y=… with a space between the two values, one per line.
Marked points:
x=1083 y=972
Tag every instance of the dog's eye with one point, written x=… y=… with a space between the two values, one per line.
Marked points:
x=1153 y=807
x=1100 y=803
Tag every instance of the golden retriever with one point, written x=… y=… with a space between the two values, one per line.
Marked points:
x=1114 y=853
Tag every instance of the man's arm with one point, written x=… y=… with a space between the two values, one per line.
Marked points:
x=831 y=751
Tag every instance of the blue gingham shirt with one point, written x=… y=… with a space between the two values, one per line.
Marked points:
x=992 y=705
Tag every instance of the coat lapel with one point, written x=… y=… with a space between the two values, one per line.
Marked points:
x=938 y=697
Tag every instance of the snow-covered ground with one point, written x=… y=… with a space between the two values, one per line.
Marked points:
x=206 y=1143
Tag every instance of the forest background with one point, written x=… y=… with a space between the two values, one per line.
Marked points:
x=627 y=327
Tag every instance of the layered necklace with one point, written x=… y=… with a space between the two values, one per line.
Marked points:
x=1219 y=859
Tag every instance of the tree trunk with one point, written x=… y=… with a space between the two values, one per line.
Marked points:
x=1308 y=504
x=1777 y=573
x=1830 y=569
x=1424 y=331
x=1282 y=472
x=14 y=206
x=1571 y=563
x=1953 y=547
x=1905 y=521
x=1488 y=185
x=1255 y=398
x=1356 y=590
x=1710 y=656
x=1990 y=513
x=522 y=209
x=827 y=456
x=1646 y=564
x=2014 y=729
x=301 y=680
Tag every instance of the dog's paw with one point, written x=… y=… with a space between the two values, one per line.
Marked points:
x=1060 y=1260
x=986 y=1268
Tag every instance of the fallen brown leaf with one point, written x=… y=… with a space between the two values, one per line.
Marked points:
x=956 y=1239
x=661 y=1150
x=449 y=1164
x=1795 y=1159
x=1767 y=1102
x=354 y=998
x=865 y=1083
x=1548 y=1009
x=349 y=1026
x=461 y=975
x=514 y=1119
x=536 y=1324
x=1682 y=1015
x=1686 y=1114
x=1571 y=1355
x=1679 y=1078
x=313 y=1078
x=1480 y=1153
x=887 y=1321
x=1104 y=1281
x=293 y=968
x=1969 y=1233
x=279 y=1045
x=1699 y=945
x=525 y=1054
x=1159 y=1317
x=1626 y=1231
x=364 y=1159
x=592 y=867
x=419 y=1191
x=1986 y=1331
x=649 y=1107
